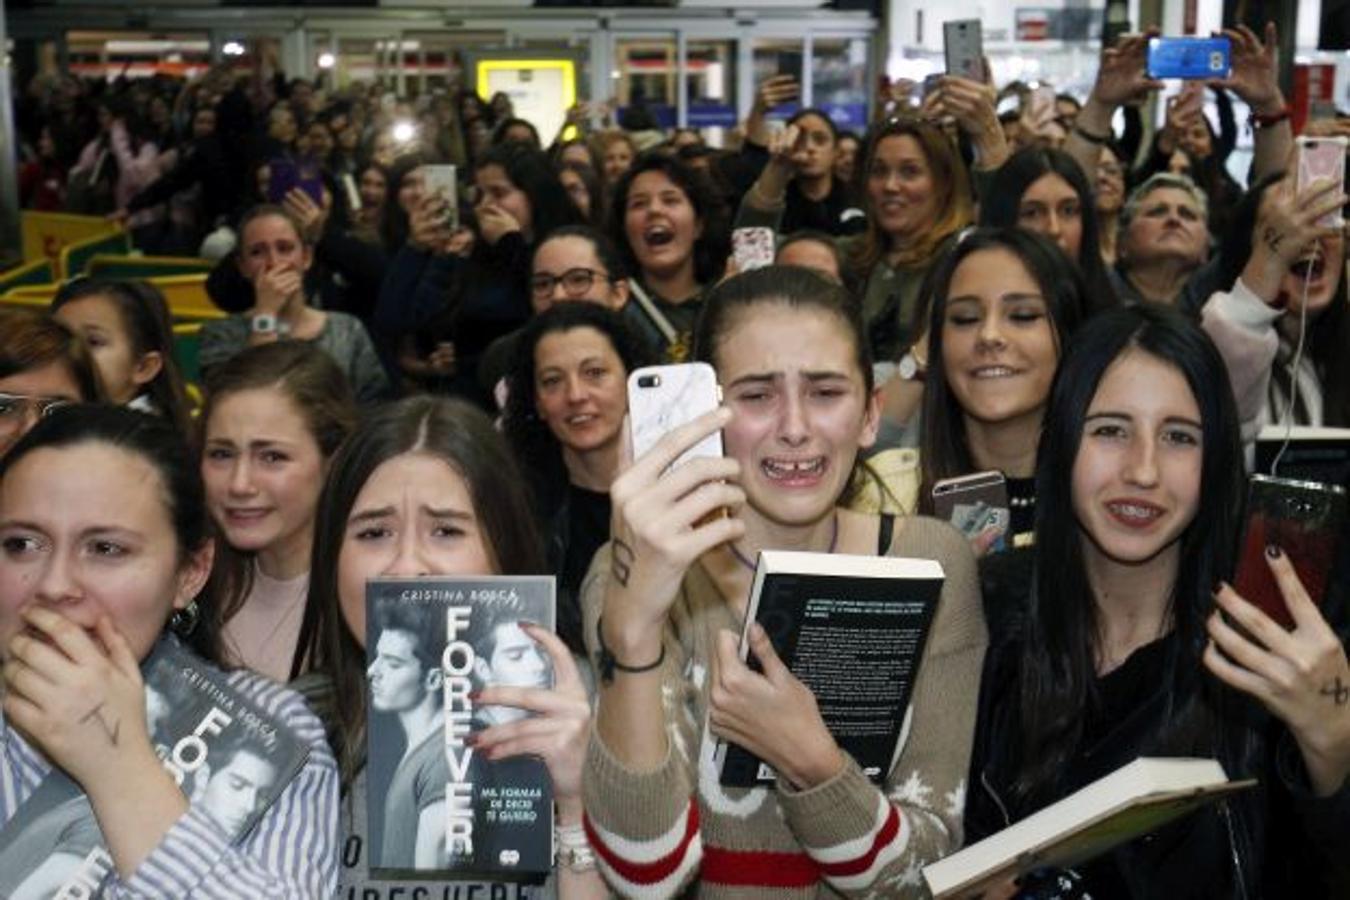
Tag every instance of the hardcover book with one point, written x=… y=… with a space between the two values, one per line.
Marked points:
x=852 y=629
x=1135 y=799
x=436 y=808
x=230 y=757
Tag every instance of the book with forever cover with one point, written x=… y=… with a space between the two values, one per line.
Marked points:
x=853 y=630
x=436 y=807
x=1134 y=800
x=230 y=757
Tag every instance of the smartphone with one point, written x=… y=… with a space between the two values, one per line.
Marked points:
x=441 y=181
x=752 y=248
x=977 y=505
x=1322 y=159
x=1041 y=105
x=662 y=398
x=285 y=175
x=1305 y=520
x=963 y=47
x=1189 y=57
x=353 y=193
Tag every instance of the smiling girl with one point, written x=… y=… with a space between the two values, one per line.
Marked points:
x=1120 y=650
x=1005 y=303
x=916 y=193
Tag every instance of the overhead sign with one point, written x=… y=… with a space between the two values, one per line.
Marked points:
x=541 y=89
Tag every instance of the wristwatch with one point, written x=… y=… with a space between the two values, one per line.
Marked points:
x=910 y=367
x=263 y=323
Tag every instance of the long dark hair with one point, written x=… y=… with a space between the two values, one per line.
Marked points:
x=164 y=448
x=1002 y=205
x=1328 y=334
x=536 y=447
x=945 y=445
x=710 y=249
x=463 y=437
x=1058 y=662
x=394 y=222
x=145 y=318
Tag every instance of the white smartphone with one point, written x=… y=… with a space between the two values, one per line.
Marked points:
x=440 y=181
x=752 y=247
x=662 y=398
x=1322 y=159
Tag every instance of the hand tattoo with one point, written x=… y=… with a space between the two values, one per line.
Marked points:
x=1338 y=692
x=622 y=558
x=110 y=730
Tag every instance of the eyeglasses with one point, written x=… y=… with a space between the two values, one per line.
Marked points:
x=575 y=282
x=14 y=408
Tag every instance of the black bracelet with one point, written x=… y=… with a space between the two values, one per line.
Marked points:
x=608 y=664
x=1098 y=139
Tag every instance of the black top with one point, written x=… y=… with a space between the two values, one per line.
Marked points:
x=578 y=529
x=835 y=214
x=1285 y=836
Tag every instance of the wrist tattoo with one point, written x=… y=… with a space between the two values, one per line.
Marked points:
x=1338 y=692
x=622 y=558
x=111 y=731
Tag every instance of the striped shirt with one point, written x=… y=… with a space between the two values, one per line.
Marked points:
x=291 y=853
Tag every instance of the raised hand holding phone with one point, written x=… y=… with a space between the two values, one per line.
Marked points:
x=1302 y=676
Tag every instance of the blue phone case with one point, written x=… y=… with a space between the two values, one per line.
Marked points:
x=1189 y=57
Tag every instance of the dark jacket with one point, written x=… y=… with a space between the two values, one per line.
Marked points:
x=1289 y=842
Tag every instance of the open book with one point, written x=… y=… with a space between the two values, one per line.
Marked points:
x=852 y=629
x=1133 y=800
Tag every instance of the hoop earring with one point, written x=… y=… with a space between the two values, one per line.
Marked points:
x=184 y=621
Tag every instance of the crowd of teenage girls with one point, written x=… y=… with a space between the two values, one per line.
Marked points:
x=1105 y=323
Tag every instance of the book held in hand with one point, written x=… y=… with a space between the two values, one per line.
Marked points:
x=1132 y=801
x=436 y=807
x=852 y=629
x=230 y=757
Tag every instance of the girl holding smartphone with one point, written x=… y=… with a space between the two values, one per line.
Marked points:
x=1128 y=642
x=664 y=602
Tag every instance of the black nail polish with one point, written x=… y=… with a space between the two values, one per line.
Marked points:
x=1272 y=551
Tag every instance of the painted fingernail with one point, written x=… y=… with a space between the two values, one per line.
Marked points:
x=474 y=696
x=1273 y=551
x=471 y=740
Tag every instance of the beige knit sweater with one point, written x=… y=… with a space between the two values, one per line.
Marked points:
x=661 y=832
